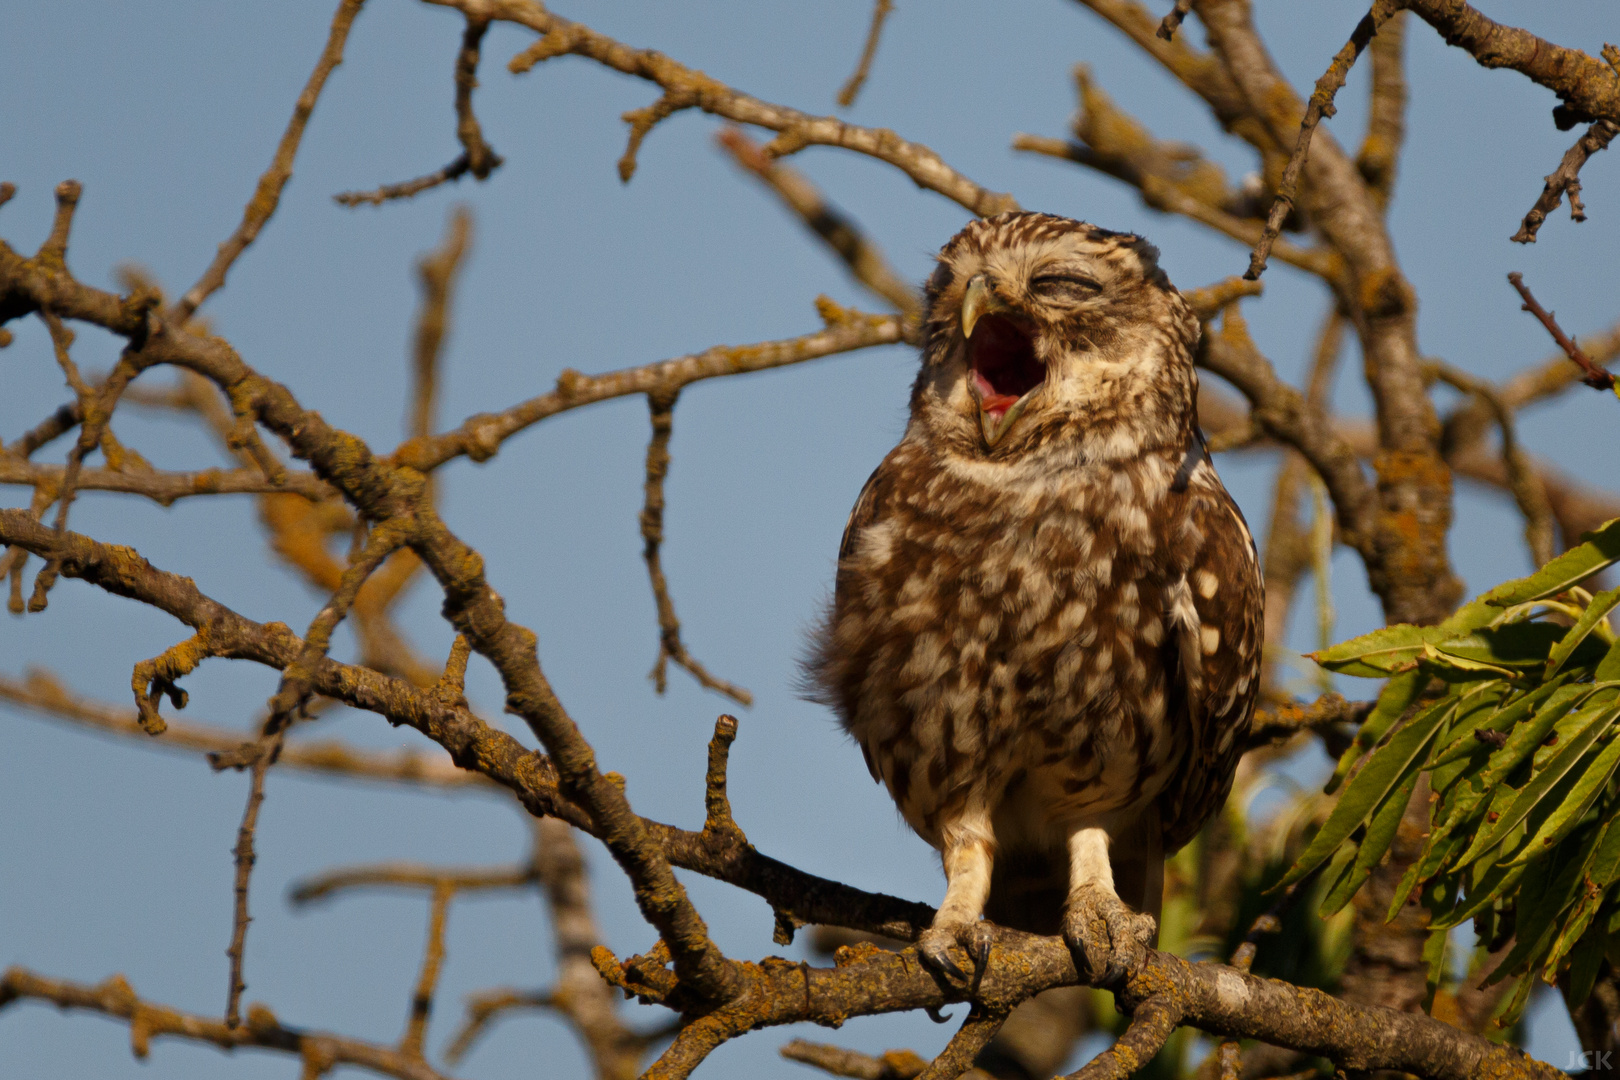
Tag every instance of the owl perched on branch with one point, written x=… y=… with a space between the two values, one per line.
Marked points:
x=1046 y=629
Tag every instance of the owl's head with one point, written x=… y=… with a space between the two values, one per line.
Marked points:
x=1041 y=330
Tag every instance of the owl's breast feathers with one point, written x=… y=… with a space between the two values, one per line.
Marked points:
x=1072 y=641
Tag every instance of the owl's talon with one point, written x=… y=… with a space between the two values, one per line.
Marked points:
x=1106 y=937
x=934 y=950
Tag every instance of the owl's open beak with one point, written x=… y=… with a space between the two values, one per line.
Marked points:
x=1002 y=368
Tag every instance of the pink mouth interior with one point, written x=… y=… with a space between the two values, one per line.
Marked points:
x=1002 y=360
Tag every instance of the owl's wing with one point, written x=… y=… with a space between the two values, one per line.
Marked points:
x=1216 y=610
x=868 y=506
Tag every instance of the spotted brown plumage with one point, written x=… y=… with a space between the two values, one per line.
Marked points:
x=1046 y=628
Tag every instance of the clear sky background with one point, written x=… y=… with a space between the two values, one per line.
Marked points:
x=117 y=858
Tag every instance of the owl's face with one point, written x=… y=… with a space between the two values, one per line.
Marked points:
x=1042 y=330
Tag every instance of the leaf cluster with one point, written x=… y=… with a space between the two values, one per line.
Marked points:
x=1509 y=711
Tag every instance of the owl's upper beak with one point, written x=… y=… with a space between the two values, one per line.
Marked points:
x=1002 y=368
x=978 y=301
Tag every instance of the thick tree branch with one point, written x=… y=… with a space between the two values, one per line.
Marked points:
x=1586 y=85
x=1405 y=553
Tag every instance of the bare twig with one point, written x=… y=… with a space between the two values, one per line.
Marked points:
x=891 y=1065
x=163 y=488
x=405 y=189
x=44 y=694
x=264 y=754
x=319 y=1050
x=1172 y=177
x=480 y=436
x=1386 y=120
x=670 y=646
x=1566 y=179
x=1172 y=21
x=410 y=1044
x=411 y=876
x=1321 y=105
x=437 y=273
x=1592 y=375
x=1279 y=723
x=267 y=196
x=476 y=157
x=686 y=88
x=1526 y=485
x=836 y=229
x=852 y=88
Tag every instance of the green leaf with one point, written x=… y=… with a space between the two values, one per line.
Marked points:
x=1609 y=667
x=1585 y=909
x=1521 y=644
x=1385 y=651
x=1386 y=768
x=1438 y=898
x=1511 y=1011
x=1486 y=889
x=1436 y=853
x=1569 y=726
x=1524 y=739
x=1538 y=919
x=1581 y=797
x=1583 y=972
x=1464 y=744
x=1597 y=549
x=1397 y=696
x=1462 y=662
x=1593 y=721
x=1606 y=863
x=1380 y=831
x=1595 y=613
x=1342 y=866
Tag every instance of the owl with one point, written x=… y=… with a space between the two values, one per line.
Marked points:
x=1046 y=626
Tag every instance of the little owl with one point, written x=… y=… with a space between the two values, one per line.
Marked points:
x=1045 y=633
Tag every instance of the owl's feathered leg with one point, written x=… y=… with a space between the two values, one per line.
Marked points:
x=968 y=855
x=1106 y=937
x=1137 y=856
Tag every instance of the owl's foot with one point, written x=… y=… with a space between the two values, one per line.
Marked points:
x=933 y=949
x=1106 y=937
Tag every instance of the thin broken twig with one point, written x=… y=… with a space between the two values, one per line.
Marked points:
x=1592 y=375
x=267 y=195
x=1320 y=106
x=852 y=88
x=670 y=646
x=477 y=156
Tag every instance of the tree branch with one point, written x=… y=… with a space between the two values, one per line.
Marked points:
x=320 y=1051
x=480 y=436
x=686 y=88
x=267 y=196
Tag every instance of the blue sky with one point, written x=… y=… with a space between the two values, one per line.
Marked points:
x=117 y=859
